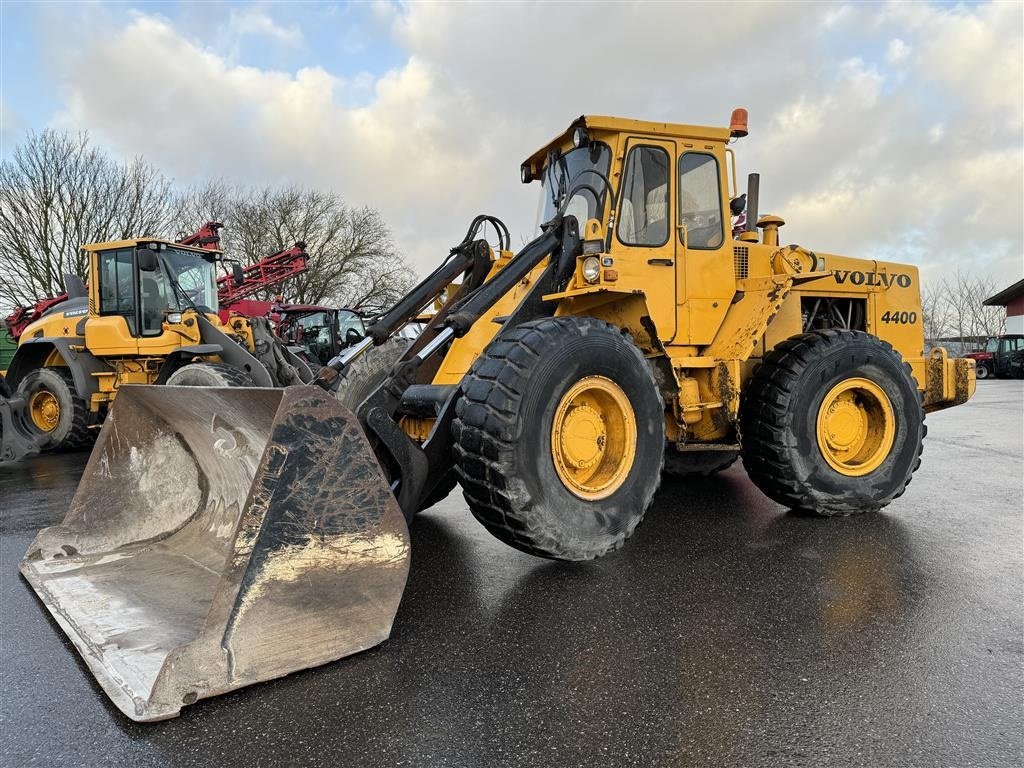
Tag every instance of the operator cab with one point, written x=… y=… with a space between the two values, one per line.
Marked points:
x=151 y=282
x=320 y=331
x=659 y=202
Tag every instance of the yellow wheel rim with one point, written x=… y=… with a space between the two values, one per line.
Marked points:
x=593 y=438
x=856 y=427
x=44 y=408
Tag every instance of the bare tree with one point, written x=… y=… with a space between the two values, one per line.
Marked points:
x=353 y=261
x=935 y=311
x=953 y=308
x=57 y=192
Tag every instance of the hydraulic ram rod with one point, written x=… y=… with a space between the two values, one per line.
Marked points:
x=404 y=310
x=410 y=305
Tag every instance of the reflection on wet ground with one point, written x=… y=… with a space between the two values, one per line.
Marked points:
x=727 y=632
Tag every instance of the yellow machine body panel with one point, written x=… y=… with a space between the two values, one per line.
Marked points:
x=465 y=350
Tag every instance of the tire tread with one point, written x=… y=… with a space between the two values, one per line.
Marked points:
x=765 y=414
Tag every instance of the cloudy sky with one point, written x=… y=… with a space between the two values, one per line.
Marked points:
x=880 y=130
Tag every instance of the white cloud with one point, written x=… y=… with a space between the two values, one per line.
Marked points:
x=253 y=21
x=897 y=51
x=924 y=166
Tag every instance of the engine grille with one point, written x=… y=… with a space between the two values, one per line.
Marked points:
x=741 y=261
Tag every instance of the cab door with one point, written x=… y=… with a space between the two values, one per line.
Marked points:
x=707 y=279
x=645 y=248
x=113 y=330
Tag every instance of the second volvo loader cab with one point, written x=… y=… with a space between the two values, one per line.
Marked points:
x=148 y=316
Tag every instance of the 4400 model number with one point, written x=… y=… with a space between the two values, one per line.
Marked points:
x=903 y=318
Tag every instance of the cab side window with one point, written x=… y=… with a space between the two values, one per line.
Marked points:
x=700 y=201
x=644 y=214
x=117 y=285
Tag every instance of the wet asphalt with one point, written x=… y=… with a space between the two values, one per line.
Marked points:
x=726 y=633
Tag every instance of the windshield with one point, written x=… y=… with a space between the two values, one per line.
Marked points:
x=349 y=321
x=561 y=172
x=197 y=276
x=992 y=346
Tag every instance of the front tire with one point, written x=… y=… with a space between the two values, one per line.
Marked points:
x=368 y=371
x=559 y=438
x=981 y=371
x=832 y=423
x=55 y=409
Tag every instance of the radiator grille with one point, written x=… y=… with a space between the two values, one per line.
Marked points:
x=741 y=260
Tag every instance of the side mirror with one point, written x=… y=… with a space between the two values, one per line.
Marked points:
x=352 y=336
x=237 y=273
x=146 y=259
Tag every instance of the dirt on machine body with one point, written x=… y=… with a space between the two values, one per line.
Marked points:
x=649 y=328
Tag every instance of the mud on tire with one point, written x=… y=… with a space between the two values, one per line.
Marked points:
x=209 y=375
x=778 y=417
x=369 y=370
x=503 y=447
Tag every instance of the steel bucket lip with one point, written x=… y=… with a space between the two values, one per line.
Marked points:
x=382 y=579
x=133 y=707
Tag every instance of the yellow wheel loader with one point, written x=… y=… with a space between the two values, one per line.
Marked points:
x=149 y=316
x=220 y=537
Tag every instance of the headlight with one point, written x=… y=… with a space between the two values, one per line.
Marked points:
x=174 y=318
x=579 y=136
x=591 y=269
x=526 y=173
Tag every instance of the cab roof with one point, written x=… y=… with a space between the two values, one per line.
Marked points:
x=137 y=241
x=628 y=125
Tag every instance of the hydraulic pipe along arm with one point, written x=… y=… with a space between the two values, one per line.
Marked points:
x=464 y=315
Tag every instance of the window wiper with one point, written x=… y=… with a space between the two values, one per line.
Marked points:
x=173 y=278
x=563 y=178
x=552 y=182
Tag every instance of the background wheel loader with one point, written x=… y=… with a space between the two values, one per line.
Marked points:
x=149 y=316
x=638 y=333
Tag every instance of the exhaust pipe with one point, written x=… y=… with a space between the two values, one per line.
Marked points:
x=753 y=184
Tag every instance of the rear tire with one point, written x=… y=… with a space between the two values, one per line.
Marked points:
x=209 y=375
x=51 y=399
x=584 y=498
x=697 y=463
x=832 y=423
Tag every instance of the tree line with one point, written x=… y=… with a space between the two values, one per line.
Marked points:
x=58 y=192
x=952 y=308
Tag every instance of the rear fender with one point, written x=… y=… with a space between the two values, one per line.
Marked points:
x=38 y=353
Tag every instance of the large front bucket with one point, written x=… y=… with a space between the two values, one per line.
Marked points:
x=220 y=537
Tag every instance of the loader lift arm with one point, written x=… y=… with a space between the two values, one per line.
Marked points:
x=416 y=469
